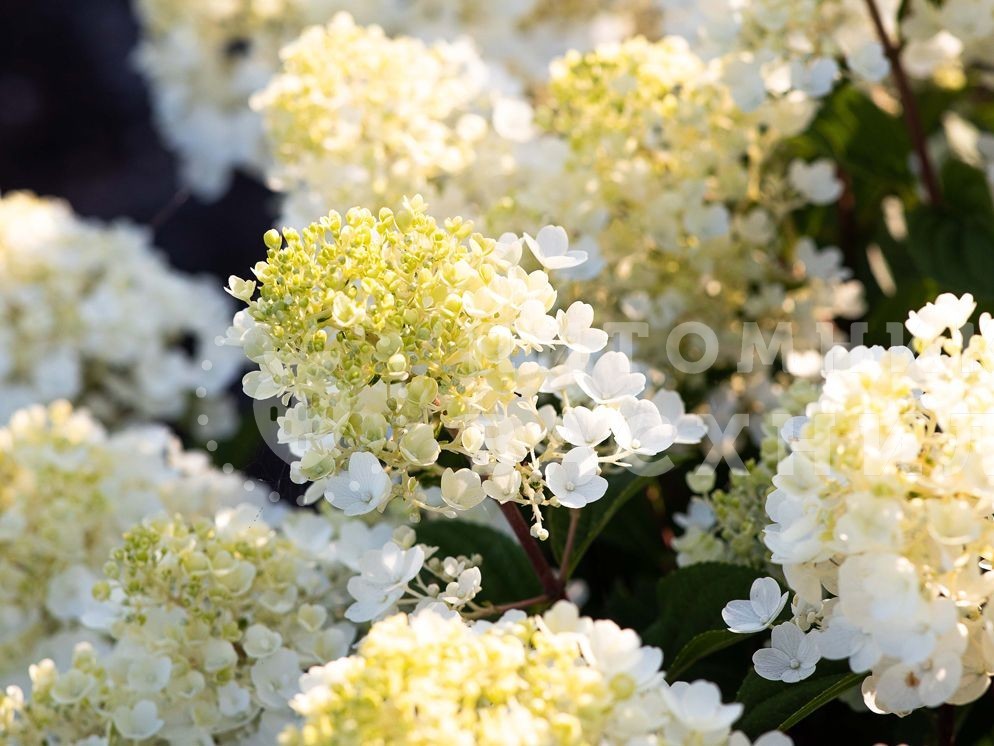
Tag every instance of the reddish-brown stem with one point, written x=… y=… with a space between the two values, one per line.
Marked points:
x=564 y=569
x=494 y=610
x=909 y=103
x=543 y=570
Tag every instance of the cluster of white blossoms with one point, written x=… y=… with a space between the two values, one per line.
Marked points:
x=727 y=524
x=881 y=516
x=771 y=48
x=204 y=59
x=91 y=313
x=554 y=679
x=68 y=490
x=397 y=339
x=404 y=574
x=348 y=123
x=522 y=36
x=946 y=40
x=683 y=196
x=213 y=621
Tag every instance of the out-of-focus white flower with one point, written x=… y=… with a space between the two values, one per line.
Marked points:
x=91 y=313
x=816 y=181
x=71 y=490
x=139 y=721
x=551 y=248
x=384 y=576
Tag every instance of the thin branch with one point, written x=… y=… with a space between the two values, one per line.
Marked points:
x=494 y=610
x=564 y=568
x=169 y=209
x=909 y=104
x=543 y=570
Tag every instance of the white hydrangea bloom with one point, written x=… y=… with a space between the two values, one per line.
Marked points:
x=881 y=513
x=91 y=313
x=68 y=490
x=396 y=338
x=547 y=679
x=214 y=620
x=687 y=201
x=204 y=59
x=348 y=123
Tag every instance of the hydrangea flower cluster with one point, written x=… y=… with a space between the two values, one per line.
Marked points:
x=89 y=312
x=397 y=338
x=885 y=503
x=204 y=59
x=555 y=679
x=348 y=124
x=68 y=490
x=214 y=620
x=688 y=204
x=727 y=524
x=770 y=48
x=522 y=36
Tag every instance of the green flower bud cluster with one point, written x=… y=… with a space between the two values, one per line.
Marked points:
x=735 y=532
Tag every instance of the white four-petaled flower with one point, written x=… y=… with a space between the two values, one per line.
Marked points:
x=575 y=482
x=759 y=612
x=791 y=657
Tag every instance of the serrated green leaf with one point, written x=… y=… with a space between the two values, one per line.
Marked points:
x=507 y=574
x=774 y=705
x=594 y=517
x=701 y=646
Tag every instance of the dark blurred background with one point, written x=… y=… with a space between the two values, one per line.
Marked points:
x=75 y=123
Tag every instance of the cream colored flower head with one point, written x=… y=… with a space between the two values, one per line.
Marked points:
x=68 y=490
x=357 y=117
x=553 y=679
x=881 y=514
x=396 y=338
x=686 y=199
x=213 y=621
x=90 y=312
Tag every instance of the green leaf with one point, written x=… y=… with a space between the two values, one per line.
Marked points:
x=594 y=517
x=774 y=705
x=966 y=190
x=957 y=251
x=701 y=646
x=507 y=574
x=859 y=135
x=690 y=602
